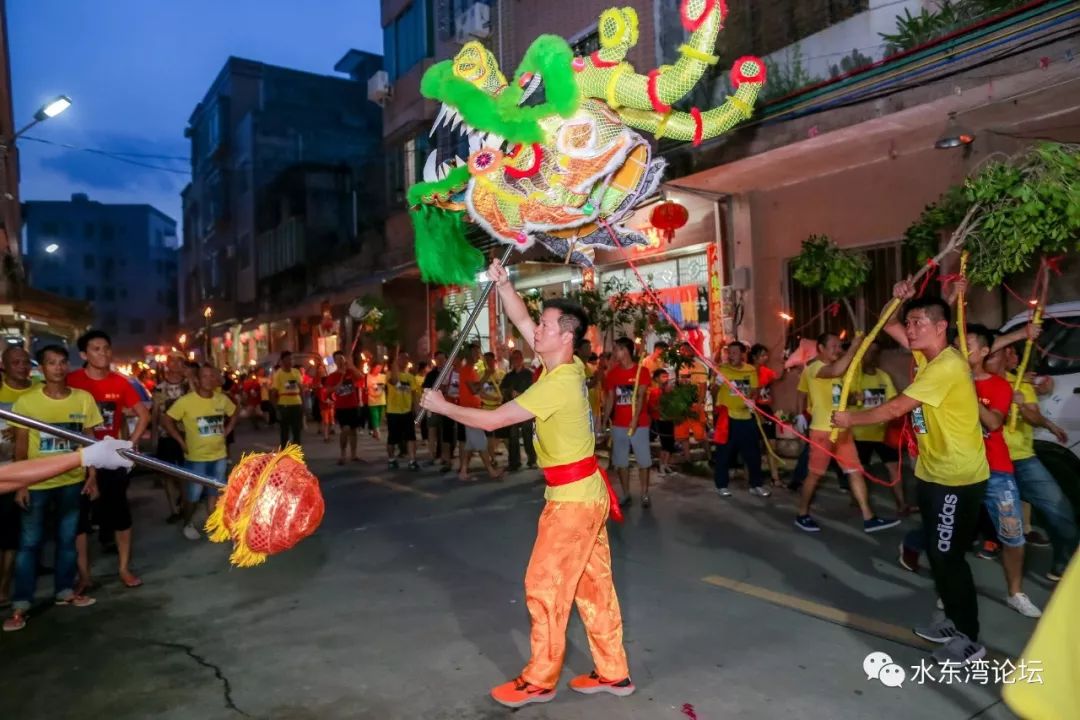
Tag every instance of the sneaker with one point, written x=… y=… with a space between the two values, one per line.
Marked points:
x=1055 y=574
x=517 y=693
x=807 y=524
x=1022 y=604
x=961 y=650
x=645 y=502
x=414 y=465
x=760 y=491
x=940 y=631
x=17 y=621
x=627 y=501
x=876 y=524
x=191 y=533
x=75 y=600
x=989 y=550
x=940 y=605
x=1036 y=539
x=723 y=492
x=393 y=464
x=592 y=683
x=909 y=559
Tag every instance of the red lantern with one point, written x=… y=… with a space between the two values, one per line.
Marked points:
x=667 y=217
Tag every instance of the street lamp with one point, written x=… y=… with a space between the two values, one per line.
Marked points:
x=207 y=314
x=51 y=248
x=49 y=110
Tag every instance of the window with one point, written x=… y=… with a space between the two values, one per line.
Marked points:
x=587 y=44
x=408 y=39
x=88 y=262
x=138 y=326
x=108 y=294
x=107 y=266
x=1060 y=344
x=50 y=228
x=91 y=293
x=108 y=232
x=88 y=230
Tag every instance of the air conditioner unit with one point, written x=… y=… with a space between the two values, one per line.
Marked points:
x=379 y=89
x=474 y=23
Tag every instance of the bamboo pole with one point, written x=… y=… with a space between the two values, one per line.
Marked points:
x=961 y=320
x=1036 y=320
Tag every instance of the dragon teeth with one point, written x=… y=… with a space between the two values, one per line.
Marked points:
x=429 y=167
x=455 y=120
x=438 y=120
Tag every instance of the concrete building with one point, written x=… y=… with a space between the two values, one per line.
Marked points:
x=278 y=157
x=122 y=259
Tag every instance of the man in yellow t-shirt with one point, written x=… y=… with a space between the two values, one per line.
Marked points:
x=875 y=388
x=1037 y=486
x=824 y=381
x=571 y=561
x=952 y=469
x=57 y=404
x=16 y=383
x=207 y=417
x=742 y=435
x=286 y=393
x=400 y=406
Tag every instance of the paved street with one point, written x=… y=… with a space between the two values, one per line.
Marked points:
x=408 y=603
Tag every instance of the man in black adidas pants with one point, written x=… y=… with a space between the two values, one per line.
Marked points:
x=952 y=469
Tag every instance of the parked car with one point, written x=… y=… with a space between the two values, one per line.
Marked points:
x=1060 y=340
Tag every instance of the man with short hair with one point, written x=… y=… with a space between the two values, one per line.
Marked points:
x=56 y=403
x=173 y=386
x=15 y=384
x=951 y=469
x=736 y=410
x=824 y=380
x=343 y=385
x=571 y=561
x=114 y=394
x=491 y=398
x=207 y=417
x=436 y=443
x=286 y=395
x=626 y=387
x=874 y=387
x=514 y=384
x=400 y=412
x=475 y=439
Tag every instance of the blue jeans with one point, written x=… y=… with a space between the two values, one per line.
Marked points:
x=743 y=441
x=213 y=469
x=1038 y=487
x=66 y=499
x=1003 y=503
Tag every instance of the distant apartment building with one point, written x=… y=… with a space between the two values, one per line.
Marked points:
x=286 y=205
x=122 y=259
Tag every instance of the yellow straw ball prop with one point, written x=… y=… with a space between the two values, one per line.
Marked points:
x=271 y=503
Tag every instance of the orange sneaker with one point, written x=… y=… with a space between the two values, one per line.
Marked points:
x=517 y=693
x=592 y=683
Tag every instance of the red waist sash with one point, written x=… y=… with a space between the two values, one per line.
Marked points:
x=572 y=472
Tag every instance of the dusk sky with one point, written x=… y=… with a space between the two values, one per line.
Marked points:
x=135 y=69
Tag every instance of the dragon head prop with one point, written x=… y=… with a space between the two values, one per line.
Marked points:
x=554 y=155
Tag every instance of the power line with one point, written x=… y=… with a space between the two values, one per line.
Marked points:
x=120 y=157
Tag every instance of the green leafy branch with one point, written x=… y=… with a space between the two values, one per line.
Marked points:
x=835 y=272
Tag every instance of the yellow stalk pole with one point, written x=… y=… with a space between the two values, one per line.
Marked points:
x=1036 y=320
x=961 y=320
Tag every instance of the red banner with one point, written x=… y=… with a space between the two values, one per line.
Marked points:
x=716 y=305
x=588 y=278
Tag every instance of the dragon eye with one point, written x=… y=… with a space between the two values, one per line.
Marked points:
x=525 y=79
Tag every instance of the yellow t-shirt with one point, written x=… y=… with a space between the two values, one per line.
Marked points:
x=203 y=421
x=8 y=396
x=288 y=386
x=875 y=389
x=824 y=396
x=490 y=387
x=78 y=411
x=745 y=378
x=376 y=389
x=399 y=396
x=564 y=429
x=1021 y=441
x=946 y=425
x=1054 y=651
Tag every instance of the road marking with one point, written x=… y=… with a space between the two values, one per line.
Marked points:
x=868 y=625
x=376 y=480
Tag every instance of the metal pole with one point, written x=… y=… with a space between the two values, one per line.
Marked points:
x=138 y=458
x=479 y=305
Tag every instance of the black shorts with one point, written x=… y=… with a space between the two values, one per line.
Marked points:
x=666 y=430
x=113 y=510
x=10 y=522
x=168 y=450
x=452 y=432
x=347 y=417
x=86 y=522
x=400 y=428
x=768 y=425
x=867 y=448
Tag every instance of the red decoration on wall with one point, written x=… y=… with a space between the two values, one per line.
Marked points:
x=667 y=217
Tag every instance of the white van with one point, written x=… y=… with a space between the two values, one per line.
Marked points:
x=1060 y=340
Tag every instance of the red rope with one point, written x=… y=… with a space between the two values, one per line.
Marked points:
x=712 y=366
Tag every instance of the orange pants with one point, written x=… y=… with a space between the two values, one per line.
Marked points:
x=571 y=563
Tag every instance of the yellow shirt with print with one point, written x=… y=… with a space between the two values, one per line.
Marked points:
x=78 y=412
x=490 y=394
x=745 y=378
x=288 y=386
x=8 y=396
x=946 y=425
x=1021 y=441
x=1053 y=645
x=874 y=390
x=564 y=429
x=824 y=395
x=203 y=421
x=399 y=395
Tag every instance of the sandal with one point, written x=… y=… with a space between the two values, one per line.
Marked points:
x=17 y=621
x=130 y=580
x=77 y=600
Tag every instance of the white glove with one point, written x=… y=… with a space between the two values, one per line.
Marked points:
x=800 y=423
x=104 y=454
